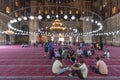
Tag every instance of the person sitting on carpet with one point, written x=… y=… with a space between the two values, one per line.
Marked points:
x=73 y=57
x=25 y=45
x=92 y=51
x=85 y=52
x=89 y=53
x=106 y=54
x=57 y=54
x=79 y=52
x=101 y=67
x=57 y=67
x=79 y=68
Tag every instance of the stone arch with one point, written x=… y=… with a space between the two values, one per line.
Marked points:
x=22 y=39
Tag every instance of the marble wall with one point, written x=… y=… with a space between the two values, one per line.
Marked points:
x=3 y=27
x=112 y=24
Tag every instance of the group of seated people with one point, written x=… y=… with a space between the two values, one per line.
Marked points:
x=67 y=53
x=72 y=55
x=79 y=67
x=88 y=52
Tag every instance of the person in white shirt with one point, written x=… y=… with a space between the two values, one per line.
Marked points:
x=57 y=67
x=89 y=53
x=79 y=52
x=57 y=54
x=81 y=44
x=106 y=54
x=79 y=68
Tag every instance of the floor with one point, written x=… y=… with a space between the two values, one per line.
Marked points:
x=29 y=63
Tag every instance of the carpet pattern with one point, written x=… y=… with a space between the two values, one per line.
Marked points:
x=29 y=63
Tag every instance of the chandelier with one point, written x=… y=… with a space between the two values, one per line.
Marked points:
x=9 y=32
x=57 y=25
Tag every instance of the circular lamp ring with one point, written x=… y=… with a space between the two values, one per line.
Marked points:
x=59 y=10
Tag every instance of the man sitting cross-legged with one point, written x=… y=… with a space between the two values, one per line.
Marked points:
x=80 y=69
x=101 y=67
x=58 y=67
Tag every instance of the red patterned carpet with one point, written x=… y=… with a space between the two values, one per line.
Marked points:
x=29 y=63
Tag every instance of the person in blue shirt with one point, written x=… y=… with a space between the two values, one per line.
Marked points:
x=50 y=48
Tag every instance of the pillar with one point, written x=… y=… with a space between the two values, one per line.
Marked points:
x=87 y=27
x=33 y=28
x=33 y=25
